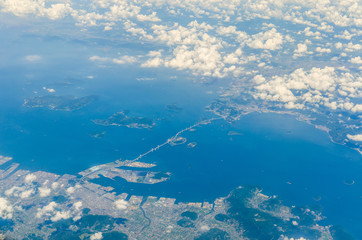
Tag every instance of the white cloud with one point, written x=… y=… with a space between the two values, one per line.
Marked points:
x=33 y=58
x=6 y=209
x=57 y=11
x=319 y=86
x=51 y=90
x=346 y=35
x=271 y=40
x=301 y=238
x=323 y=50
x=36 y=7
x=70 y=190
x=46 y=210
x=204 y=228
x=21 y=7
x=302 y=50
x=121 y=204
x=55 y=185
x=27 y=193
x=98 y=59
x=258 y=79
x=77 y=205
x=124 y=60
x=356 y=60
x=350 y=47
x=21 y=192
x=59 y=215
x=30 y=178
x=338 y=45
x=340 y=13
x=96 y=236
x=308 y=33
x=120 y=60
x=12 y=190
x=357 y=138
x=44 y=191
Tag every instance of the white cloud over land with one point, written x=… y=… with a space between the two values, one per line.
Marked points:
x=318 y=86
x=357 y=138
x=6 y=209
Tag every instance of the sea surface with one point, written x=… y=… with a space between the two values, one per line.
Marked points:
x=281 y=155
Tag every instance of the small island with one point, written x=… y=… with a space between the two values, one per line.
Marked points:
x=173 y=108
x=59 y=103
x=121 y=119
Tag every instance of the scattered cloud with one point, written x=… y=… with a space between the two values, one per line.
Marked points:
x=96 y=236
x=318 y=86
x=121 y=204
x=356 y=60
x=22 y=192
x=357 y=138
x=51 y=90
x=120 y=60
x=44 y=191
x=60 y=215
x=70 y=190
x=46 y=210
x=6 y=209
x=30 y=178
x=271 y=40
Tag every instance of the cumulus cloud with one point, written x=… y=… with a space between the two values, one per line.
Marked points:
x=77 y=205
x=309 y=33
x=301 y=238
x=70 y=190
x=6 y=209
x=356 y=60
x=60 y=215
x=27 y=193
x=55 y=185
x=193 y=49
x=340 y=13
x=96 y=236
x=323 y=50
x=36 y=7
x=301 y=50
x=271 y=40
x=204 y=228
x=346 y=35
x=21 y=192
x=357 y=138
x=51 y=211
x=30 y=178
x=319 y=86
x=351 y=47
x=46 y=210
x=44 y=191
x=121 y=204
x=258 y=79
x=51 y=90
x=197 y=47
